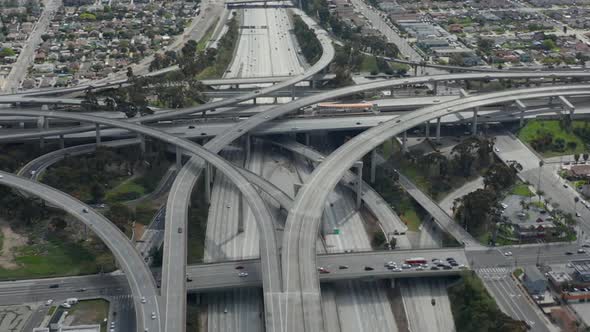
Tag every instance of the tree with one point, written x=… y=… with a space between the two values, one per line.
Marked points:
x=456 y=60
x=576 y=157
x=585 y=156
x=393 y=242
x=120 y=215
x=499 y=177
x=474 y=209
x=6 y=51
x=97 y=192
x=157 y=255
x=378 y=239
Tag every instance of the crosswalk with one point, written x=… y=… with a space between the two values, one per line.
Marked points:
x=493 y=273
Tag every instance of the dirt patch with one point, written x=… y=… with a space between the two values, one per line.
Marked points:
x=139 y=229
x=10 y=241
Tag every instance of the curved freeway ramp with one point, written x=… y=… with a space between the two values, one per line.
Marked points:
x=270 y=262
x=303 y=302
x=141 y=280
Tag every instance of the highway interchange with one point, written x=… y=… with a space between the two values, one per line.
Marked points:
x=293 y=295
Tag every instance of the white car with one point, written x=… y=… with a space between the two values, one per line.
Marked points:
x=66 y=305
x=581 y=251
x=243 y=274
x=1 y=176
x=496 y=149
x=49 y=302
x=143 y=300
x=508 y=253
x=153 y=315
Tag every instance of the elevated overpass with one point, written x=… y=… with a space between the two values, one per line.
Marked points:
x=143 y=287
x=303 y=221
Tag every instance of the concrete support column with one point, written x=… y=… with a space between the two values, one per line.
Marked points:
x=404 y=141
x=141 y=142
x=276 y=100
x=178 y=158
x=62 y=142
x=373 y=164
x=307 y=139
x=248 y=143
x=427 y=129
x=435 y=87
x=254 y=100
x=42 y=124
x=415 y=67
x=98 y=138
x=474 y=122
x=208 y=182
x=359 y=183
x=438 y=129
x=204 y=116
x=293 y=92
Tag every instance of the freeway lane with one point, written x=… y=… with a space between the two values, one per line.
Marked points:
x=303 y=222
x=178 y=200
x=139 y=276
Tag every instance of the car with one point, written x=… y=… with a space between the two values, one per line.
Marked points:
x=420 y=268
x=453 y=263
x=450 y=259
x=565 y=185
x=143 y=300
x=188 y=279
x=179 y=230
x=343 y=267
x=368 y=268
x=49 y=302
x=1 y=176
x=434 y=268
x=406 y=266
x=433 y=302
x=462 y=266
x=446 y=267
x=323 y=270
x=81 y=290
x=243 y=274
x=66 y=305
x=153 y=315
x=435 y=260
x=425 y=266
x=54 y=286
x=586 y=245
x=504 y=205
x=508 y=253
x=239 y=267
x=398 y=269
x=581 y=251
x=225 y=311
x=191 y=127
x=569 y=253
x=496 y=149
x=85 y=210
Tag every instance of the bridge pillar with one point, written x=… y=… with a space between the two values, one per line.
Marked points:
x=62 y=143
x=248 y=141
x=553 y=80
x=276 y=100
x=45 y=107
x=427 y=129
x=141 y=142
x=415 y=67
x=204 y=116
x=435 y=87
x=474 y=122
x=391 y=92
x=359 y=183
x=522 y=107
x=373 y=164
x=178 y=158
x=438 y=129
x=404 y=141
x=42 y=124
x=207 y=182
x=98 y=138
x=307 y=139
x=254 y=100
x=292 y=92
